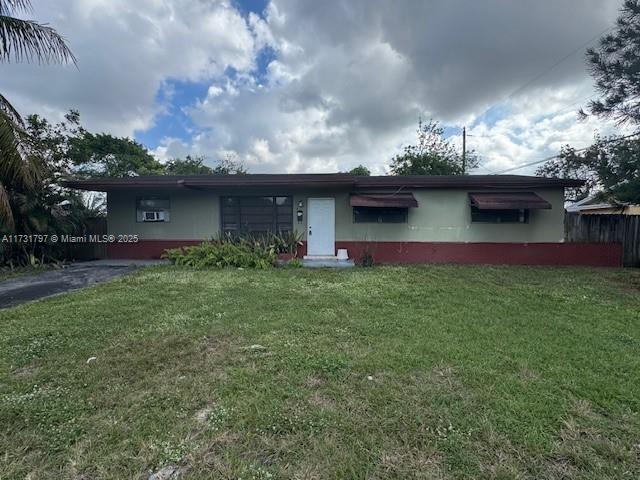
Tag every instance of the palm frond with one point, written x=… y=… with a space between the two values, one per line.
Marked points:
x=10 y=111
x=25 y=40
x=17 y=168
x=10 y=7
x=6 y=215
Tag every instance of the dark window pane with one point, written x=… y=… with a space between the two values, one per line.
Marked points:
x=379 y=215
x=257 y=215
x=499 y=216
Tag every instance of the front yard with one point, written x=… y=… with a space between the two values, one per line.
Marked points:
x=391 y=372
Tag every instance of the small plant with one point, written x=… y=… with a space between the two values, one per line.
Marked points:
x=218 y=417
x=295 y=263
x=366 y=260
x=288 y=242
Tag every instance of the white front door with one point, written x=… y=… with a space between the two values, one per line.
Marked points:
x=321 y=227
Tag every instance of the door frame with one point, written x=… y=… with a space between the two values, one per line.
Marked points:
x=309 y=220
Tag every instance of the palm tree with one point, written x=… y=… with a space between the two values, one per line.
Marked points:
x=21 y=40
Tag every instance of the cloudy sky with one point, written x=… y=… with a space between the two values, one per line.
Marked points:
x=315 y=86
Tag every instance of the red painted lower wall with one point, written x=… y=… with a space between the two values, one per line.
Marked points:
x=586 y=254
x=145 y=249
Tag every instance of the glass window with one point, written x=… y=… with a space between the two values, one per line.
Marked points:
x=256 y=215
x=499 y=216
x=153 y=209
x=379 y=215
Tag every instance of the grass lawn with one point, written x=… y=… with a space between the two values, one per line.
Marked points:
x=390 y=372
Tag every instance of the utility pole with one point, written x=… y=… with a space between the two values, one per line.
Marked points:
x=464 y=150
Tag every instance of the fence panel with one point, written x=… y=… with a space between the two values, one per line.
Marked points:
x=623 y=229
x=90 y=251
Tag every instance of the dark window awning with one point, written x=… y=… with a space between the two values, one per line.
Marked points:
x=400 y=200
x=508 y=201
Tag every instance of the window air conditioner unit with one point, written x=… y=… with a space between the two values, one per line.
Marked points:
x=153 y=216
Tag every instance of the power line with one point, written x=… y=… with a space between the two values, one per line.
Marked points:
x=558 y=62
x=613 y=140
x=546 y=71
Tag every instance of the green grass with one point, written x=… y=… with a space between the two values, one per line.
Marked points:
x=390 y=372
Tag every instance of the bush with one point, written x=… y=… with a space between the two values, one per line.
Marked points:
x=286 y=242
x=225 y=252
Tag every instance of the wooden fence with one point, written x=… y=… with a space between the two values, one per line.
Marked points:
x=89 y=250
x=623 y=229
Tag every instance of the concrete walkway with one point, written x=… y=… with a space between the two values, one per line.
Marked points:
x=16 y=291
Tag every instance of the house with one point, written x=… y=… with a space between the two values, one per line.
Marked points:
x=593 y=206
x=498 y=219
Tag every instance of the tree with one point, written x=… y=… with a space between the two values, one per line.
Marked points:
x=433 y=154
x=67 y=148
x=189 y=166
x=103 y=155
x=229 y=165
x=21 y=40
x=360 y=170
x=614 y=66
x=610 y=167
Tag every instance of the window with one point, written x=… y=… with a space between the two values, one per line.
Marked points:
x=152 y=209
x=499 y=216
x=379 y=215
x=256 y=215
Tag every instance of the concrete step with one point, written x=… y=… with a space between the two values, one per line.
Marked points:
x=326 y=262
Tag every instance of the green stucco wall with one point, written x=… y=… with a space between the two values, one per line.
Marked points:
x=445 y=216
x=194 y=215
x=442 y=216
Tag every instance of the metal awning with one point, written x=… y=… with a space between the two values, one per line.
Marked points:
x=400 y=200
x=508 y=201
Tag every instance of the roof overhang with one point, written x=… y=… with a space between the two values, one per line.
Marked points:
x=400 y=200
x=508 y=201
x=360 y=184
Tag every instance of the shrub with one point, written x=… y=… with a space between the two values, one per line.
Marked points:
x=287 y=242
x=224 y=252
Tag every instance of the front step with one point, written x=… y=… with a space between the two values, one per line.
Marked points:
x=313 y=261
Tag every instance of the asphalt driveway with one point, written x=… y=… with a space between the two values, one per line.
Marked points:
x=16 y=291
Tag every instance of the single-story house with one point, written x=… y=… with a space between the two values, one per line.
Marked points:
x=499 y=219
x=594 y=206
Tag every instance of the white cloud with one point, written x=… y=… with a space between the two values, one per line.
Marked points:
x=348 y=82
x=126 y=51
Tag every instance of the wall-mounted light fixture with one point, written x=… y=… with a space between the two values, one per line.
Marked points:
x=299 y=214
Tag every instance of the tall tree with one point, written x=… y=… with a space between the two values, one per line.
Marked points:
x=610 y=168
x=21 y=40
x=360 y=170
x=103 y=155
x=615 y=66
x=68 y=148
x=229 y=165
x=188 y=166
x=432 y=155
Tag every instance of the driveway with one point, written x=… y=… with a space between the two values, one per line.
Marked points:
x=16 y=291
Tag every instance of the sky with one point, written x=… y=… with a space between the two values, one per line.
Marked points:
x=292 y=86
